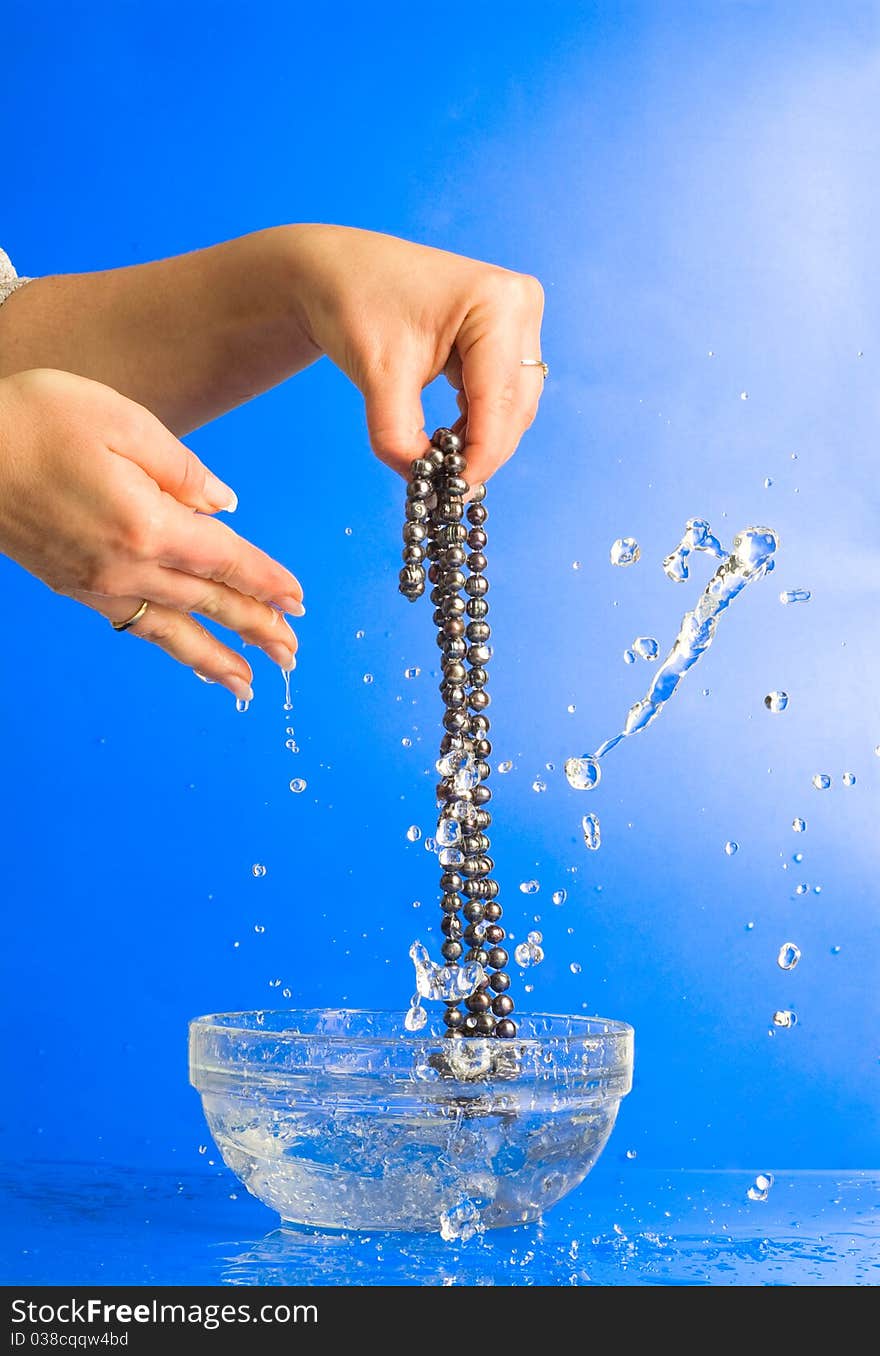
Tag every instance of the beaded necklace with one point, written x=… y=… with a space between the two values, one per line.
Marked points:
x=471 y=915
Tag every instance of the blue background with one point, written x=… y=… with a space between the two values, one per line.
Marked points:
x=683 y=178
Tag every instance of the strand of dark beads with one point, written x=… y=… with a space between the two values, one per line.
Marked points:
x=435 y=531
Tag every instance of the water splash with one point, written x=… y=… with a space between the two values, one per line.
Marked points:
x=698 y=536
x=752 y=557
x=646 y=647
x=288 y=704
x=625 y=551
x=444 y=983
x=416 y=1018
x=530 y=952
x=583 y=774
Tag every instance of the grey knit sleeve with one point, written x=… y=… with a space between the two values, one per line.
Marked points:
x=9 y=279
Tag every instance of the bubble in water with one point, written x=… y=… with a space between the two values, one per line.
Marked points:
x=258 y=869
x=625 y=551
x=731 y=848
x=539 y=784
x=646 y=647
x=368 y=678
x=799 y=825
x=592 y=832
x=298 y=785
x=241 y=704
x=776 y=701
x=821 y=781
x=411 y=673
x=789 y=955
x=559 y=896
x=583 y=774
x=413 y=833
x=575 y=967
x=448 y=832
x=629 y=657
x=529 y=887
x=849 y=779
x=463 y=1221
x=795 y=596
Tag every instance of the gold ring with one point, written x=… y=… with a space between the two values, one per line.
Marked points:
x=535 y=362
x=135 y=617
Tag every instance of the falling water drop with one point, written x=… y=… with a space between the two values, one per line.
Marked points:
x=788 y=956
x=799 y=825
x=821 y=781
x=539 y=784
x=776 y=701
x=413 y=833
x=411 y=673
x=506 y=766
x=731 y=848
x=625 y=551
x=559 y=896
x=241 y=703
x=784 y=1017
x=795 y=596
x=529 y=887
x=849 y=779
x=368 y=678
x=575 y=967
x=583 y=774
x=258 y=869
x=646 y=647
x=298 y=785
x=629 y=657
x=743 y=395
x=592 y=832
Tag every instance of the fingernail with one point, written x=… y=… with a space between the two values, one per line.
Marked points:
x=292 y=605
x=219 y=494
x=203 y=677
x=282 y=654
x=241 y=687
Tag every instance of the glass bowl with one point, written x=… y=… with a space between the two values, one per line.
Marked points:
x=344 y=1120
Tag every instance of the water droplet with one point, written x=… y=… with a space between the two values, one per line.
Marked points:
x=798 y=857
x=203 y=1148
x=750 y=927
x=767 y=483
x=795 y=596
x=411 y=673
x=801 y=889
x=789 y=955
x=506 y=766
x=784 y=1017
x=528 y=953
x=821 y=781
x=259 y=927
x=575 y=967
x=631 y=1153
x=287 y=993
x=711 y=353
x=413 y=833
x=448 y=832
x=731 y=848
x=646 y=647
x=835 y=950
x=450 y=856
x=241 y=704
x=799 y=825
x=571 y=708
x=849 y=779
x=530 y=887
x=368 y=678
x=292 y=745
x=348 y=531
x=359 y=635
x=406 y=742
x=592 y=832
x=416 y=1017
x=551 y=767
x=258 y=869
x=706 y=691
x=629 y=657
x=776 y=701
x=760 y=1189
x=583 y=774
x=444 y=983
x=743 y=395
x=298 y=785
x=625 y=551
x=575 y=564
x=539 y=784
x=559 y=896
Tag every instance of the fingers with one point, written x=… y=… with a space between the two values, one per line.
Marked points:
x=181 y=637
x=209 y=549
x=257 y=623
x=395 y=418
x=175 y=469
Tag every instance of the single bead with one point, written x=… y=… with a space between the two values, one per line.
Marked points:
x=480 y=725
x=413 y=533
x=454 y=1018
x=482 y=748
x=412 y=579
x=449 y=511
x=478 y=1002
x=484 y=865
x=500 y=981
x=493 y=934
x=453 y=461
x=477 y=608
x=505 y=1029
x=477 y=514
x=435 y=457
x=492 y=911
x=445 y=440
x=451 y=902
x=454 y=582
x=479 y=699
x=476 y=562
x=419 y=488
x=481 y=794
x=477 y=676
x=432 y=550
x=438 y=593
x=450 y=926
x=502 y=1005
x=455 y=672
x=478 y=631
x=445 y=792
x=454 y=483
x=478 y=492
x=421 y=467
x=451 y=950
x=454 y=535
x=453 y=559
x=453 y=695
x=455 y=721
x=485 y=1024
x=416 y=510
x=414 y=555
x=476 y=538
x=473 y=911
x=470 y=868
x=473 y=934
x=492 y=888
x=456 y=648
x=451 y=882
x=454 y=607
x=476 y=585
x=482 y=819
x=477 y=953
x=454 y=627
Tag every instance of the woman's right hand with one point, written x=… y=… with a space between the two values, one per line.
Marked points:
x=97 y=499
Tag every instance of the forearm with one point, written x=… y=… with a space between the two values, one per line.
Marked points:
x=188 y=337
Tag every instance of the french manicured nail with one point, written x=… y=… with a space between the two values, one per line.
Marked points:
x=282 y=654
x=241 y=687
x=291 y=605
x=219 y=494
x=204 y=679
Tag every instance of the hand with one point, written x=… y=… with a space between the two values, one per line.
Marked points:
x=394 y=315
x=97 y=500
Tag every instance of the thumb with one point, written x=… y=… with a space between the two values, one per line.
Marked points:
x=395 y=418
x=173 y=467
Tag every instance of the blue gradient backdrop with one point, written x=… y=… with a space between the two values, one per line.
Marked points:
x=683 y=178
